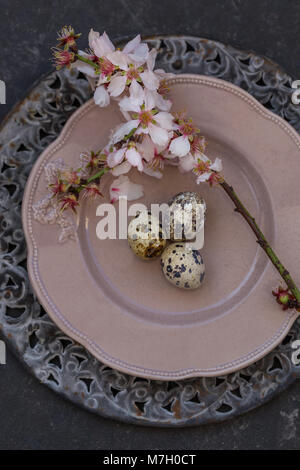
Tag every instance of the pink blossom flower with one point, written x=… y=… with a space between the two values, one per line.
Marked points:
x=198 y=145
x=284 y=297
x=91 y=191
x=103 y=67
x=123 y=187
x=91 y=160
x=163 y=88
x=106 y=69
x=69 y=202
x=58 y=187
x=71 y=176
x=67 y=37
x=63 y=58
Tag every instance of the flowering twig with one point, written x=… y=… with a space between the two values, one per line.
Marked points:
x=289 y=301
x=98 y=174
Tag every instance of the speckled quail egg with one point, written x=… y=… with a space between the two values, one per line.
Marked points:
x=187 y=210
x=145 y=235
x=183 y=267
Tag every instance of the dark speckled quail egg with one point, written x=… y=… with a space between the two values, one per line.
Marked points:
x=182 y=266
x=193 y=207
x=145 y=235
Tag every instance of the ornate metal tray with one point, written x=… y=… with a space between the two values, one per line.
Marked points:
x=57 y=360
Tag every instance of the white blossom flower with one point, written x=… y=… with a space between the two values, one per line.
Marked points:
x=217 y=165
x=128 y=152
x=160 y=102
x=187 y=163
x=123 y=187
x=121 y=169
x=134 y=52
x=146 y=119
x=148 y=170
x=137 y=51
x=150 y=138
x=153 y=156
x=149 y=78
x=123 y=130
x=118 y=82
x=164 y=139
x=130 y=74
x=100 y=45
x=117 y=85
x=119 y=69
x=181 y=145
x=101 y=96
x=206 y=170
x=137 y=96
x=129 y=61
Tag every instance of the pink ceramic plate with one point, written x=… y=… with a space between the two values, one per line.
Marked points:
x=121 y=308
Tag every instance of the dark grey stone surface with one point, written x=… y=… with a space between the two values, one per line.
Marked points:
x=31 y=416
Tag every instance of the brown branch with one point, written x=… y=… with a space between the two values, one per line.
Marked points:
x=263 y=242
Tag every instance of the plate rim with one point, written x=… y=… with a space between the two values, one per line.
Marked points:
x=80 y=337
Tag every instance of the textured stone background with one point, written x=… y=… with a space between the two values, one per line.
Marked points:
x=31 y=416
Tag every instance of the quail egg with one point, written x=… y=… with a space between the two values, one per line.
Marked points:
x=183 y=267
x=187 y=210
x=145 y=235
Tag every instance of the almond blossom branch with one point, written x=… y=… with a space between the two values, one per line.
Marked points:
x=151 y=137
x=286 y=300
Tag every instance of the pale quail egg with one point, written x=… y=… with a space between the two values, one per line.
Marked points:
x=182 y=266
x=145 y=235
x=187 y=210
